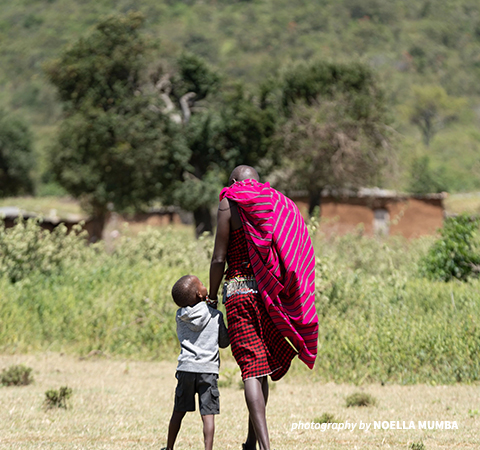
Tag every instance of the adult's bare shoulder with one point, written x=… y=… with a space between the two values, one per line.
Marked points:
x=235 y=219
x=224 y=204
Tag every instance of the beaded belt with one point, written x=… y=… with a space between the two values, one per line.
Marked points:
x=239 y=285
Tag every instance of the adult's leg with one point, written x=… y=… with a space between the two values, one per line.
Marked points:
x=256 y=396
x=174 y=428
x=251 y=442
x=208 y=430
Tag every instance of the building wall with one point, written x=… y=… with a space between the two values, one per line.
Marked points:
x=408 y=217
x=416 y=217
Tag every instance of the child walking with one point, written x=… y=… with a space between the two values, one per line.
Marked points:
x=201 y=331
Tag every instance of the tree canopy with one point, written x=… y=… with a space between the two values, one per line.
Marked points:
x=113 y=147
x=128 y=139
x=407 y=43
x=16 y=156
x=221 y=125
x=336 y=132
x=432 y=109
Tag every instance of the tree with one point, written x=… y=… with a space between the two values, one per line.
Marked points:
x=424 y=179
x=431 y=109
x=16 y=158
x=222 y=127
x=188 y=92
x=336 y=132
x=113 y=148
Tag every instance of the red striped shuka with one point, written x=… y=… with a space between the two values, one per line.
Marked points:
x=282 y=261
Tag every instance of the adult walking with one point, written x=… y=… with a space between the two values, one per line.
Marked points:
x=269 y=288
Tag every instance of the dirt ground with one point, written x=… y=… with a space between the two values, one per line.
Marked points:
x=126 y=405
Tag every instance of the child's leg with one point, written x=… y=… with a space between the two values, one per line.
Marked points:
x=256 y=394
x=174 y=427
x=209 y=402
x=208 y=430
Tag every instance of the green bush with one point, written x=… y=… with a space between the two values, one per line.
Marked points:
x=18 y=375
x=26 y=249
x=57 y=398
x=456 y=255
x=417 y=446
x=360 y=399
x=325 y=418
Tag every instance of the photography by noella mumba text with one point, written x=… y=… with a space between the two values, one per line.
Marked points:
x=377 y=425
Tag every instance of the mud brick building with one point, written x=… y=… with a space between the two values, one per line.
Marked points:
x=378 y=211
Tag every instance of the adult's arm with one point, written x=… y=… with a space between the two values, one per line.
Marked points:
x=223 y=340
x=219 y=257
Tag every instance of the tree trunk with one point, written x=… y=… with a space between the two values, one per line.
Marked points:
x=95 y=226
x=314 y=201
x=203 y=220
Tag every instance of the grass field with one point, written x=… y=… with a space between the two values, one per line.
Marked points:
x=121 y=404
x=463 y=203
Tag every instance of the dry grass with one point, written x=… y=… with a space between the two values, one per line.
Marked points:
x=126 y=405
x=63 y=207
x=463 y=203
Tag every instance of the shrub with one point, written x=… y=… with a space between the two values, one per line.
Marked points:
x=417 y=446
x=16 y=376
x=325 y=418
x=26 y=248
x=456 y=255
x=360 y=399
x=57 y=398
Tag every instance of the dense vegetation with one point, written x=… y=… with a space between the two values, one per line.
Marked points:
x=379 y=320
x=421 y=50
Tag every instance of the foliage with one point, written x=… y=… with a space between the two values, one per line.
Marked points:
x=15 y=156
x=194 y=75
x=325 y=418
x=424 y=179
x=431 y=109
x=456 y=254
x=417 y=446
x=27 y=248
x=360 y=399
x=381 y=322
x=336 y=134
x=408 y=43
x=17 y=375
x=102 y=68
x=57 y=398
x=221 y=126
x=113 y=146
x=249 y=123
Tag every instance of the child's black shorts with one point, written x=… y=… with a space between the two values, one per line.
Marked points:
x=205 y=384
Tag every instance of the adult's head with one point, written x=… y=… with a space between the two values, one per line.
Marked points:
x=241 y=173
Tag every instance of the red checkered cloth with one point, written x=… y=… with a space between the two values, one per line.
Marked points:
x=257 y=345
x=237 y=256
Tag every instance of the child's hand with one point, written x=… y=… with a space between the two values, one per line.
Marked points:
x=211 y=302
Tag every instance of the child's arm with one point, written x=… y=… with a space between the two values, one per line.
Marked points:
x=223 y=340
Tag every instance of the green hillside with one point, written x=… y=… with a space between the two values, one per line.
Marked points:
x=426 y=43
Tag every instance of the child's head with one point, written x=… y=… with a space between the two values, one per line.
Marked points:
x=188 y=291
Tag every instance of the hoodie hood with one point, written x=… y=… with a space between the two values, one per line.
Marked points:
x=195 y=317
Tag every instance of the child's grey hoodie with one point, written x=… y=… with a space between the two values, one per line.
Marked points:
x=201 y=330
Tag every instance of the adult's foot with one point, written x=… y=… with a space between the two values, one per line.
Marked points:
x=246 y=446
